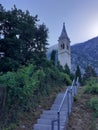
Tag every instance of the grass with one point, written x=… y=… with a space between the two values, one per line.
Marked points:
x=93 y=104
x=27 y=120
x=91 y=89
x=85 y=108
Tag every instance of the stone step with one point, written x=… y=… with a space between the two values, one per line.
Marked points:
x=59 y=99
x=63 y=113
x=47 y=116
x=60 y=95
x=52 y=112
x=49 y=122
x=56 y=108
x=46 y=127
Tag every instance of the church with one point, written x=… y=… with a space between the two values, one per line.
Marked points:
x=63 y=54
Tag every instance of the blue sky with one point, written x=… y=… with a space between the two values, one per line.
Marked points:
x=80 y=17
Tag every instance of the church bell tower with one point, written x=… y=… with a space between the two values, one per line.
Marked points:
x=64 y=54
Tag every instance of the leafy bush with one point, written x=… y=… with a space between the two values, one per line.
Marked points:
x=26 y=86
x=93 y=103
x=91 y=87
x=89 y=73
x=20 y=85
x=65 y=78
x=23 y=84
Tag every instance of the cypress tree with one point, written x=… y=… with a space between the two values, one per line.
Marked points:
x=78 y=73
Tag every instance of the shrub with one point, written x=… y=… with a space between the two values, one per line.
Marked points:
x=93 y=104
x=26 y=86
x=64 y=78
x=67 y=79
x=91 y=87
x=20 y=85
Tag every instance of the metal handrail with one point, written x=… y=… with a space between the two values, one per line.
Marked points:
x=60 y=107
x=67 y=90
x=61 y=104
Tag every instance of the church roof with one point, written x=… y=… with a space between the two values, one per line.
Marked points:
x=63 y=33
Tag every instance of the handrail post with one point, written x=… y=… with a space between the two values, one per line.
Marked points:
x=68 y=103
x=77 y=82
x=69 y=94
x=71 y=98
x=74 y=90
x=58 y=120
x=52 y=125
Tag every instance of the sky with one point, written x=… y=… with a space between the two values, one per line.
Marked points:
x=80 y=17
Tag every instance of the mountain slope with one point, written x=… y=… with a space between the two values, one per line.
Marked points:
x=84 y=54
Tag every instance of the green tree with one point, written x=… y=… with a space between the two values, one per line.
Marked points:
x=78 y=73
x=89 y=72
x=66 y=69
x=53 y=57
x=22 y=39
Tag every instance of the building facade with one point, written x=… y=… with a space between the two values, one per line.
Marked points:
x=64 y=53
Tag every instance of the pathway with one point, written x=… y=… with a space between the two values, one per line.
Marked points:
x=46 y=118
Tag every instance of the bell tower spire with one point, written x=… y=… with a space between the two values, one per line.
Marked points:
x=63 y=33
x=64 y=48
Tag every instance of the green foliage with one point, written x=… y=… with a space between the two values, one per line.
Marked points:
x=93 y=104
x=20 y=85
x=89 y=72
x=91 y=86
x=11 y=127
x=53 y=56
x=66 y=69
x=72 y=76
x=78 y=74
x=75 y=98
x=65 y=78
x=60 y=67
x=23 y=39
x=25 y=72
x=27 y=85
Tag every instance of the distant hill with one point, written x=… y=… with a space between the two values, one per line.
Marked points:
x=84 y=54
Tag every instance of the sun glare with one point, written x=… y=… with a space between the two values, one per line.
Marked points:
x=94 y=29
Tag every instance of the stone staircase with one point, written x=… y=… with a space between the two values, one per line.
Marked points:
x=44 y=123
x=63 y=105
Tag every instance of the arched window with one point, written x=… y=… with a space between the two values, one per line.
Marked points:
x=67 y=47
x=62 y=46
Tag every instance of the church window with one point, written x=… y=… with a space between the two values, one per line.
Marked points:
x=62 y=46
x=67 y=47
